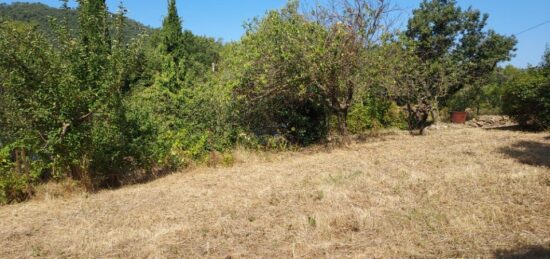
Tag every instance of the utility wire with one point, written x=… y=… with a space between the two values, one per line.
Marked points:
x=532 y=28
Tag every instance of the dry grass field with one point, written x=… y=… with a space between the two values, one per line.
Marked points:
x=457 y=192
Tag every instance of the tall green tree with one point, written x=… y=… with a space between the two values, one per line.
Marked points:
x=434 y=27
x=413 y=81
x=176 y=112
x=172 y=33
x=96 y=68
x=172 y=71
x=442 y=31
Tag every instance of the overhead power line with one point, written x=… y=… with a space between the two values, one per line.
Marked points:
x=532 y=28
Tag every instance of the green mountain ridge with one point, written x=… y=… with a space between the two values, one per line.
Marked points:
x=40 y=15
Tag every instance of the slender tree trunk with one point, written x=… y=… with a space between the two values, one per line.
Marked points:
x=342 y=116
x=17 y=161
x=478 y=99
x=54 y=164
x=26 y=170
x=83 y=173
x=424 y=114
x=25 y=162
x=435 y=116
x=410 y=118
x=435 y=112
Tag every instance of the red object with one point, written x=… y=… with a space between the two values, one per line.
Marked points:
x=459 y=117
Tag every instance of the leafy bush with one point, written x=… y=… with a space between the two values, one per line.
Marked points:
x=174 y=129
x=526 y=98
x=13 y=187
x=267 y=72
x=63 y=104
x=460 y=101
x=485 y=98
x=373 y=112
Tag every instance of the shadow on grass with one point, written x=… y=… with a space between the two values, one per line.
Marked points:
x=515 y=128
x=115 y=181
x=528 y=252
x=529 y=152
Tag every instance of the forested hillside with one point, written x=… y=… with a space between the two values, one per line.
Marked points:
x=40 y=15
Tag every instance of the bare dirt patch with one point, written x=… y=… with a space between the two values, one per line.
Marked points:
x=454 y=193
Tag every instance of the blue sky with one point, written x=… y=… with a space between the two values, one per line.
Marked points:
x=224 y=18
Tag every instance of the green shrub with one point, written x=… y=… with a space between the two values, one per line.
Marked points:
x=461 y=101
x=297 y=122
x=274 y=93
x=174 y=129
x=485 y=99
x=13 y=187
x=375 y=112
x=526 y=99
x=5 y=160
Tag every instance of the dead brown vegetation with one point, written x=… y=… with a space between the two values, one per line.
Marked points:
x=454 y=193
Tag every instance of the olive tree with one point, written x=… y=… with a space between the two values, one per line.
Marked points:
x=415 y=82
x=337 y=66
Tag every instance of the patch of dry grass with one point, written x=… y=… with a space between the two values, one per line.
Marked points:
x=453 y=193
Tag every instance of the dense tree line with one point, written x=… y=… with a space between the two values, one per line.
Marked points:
x=89 y=104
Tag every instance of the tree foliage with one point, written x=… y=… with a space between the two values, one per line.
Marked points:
x=444 y=33
x=273 y=88
x=83 y=99
x=526 y=95
x=310 y=67
x=415 y=82
x=353 y=28
x=75 y=124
